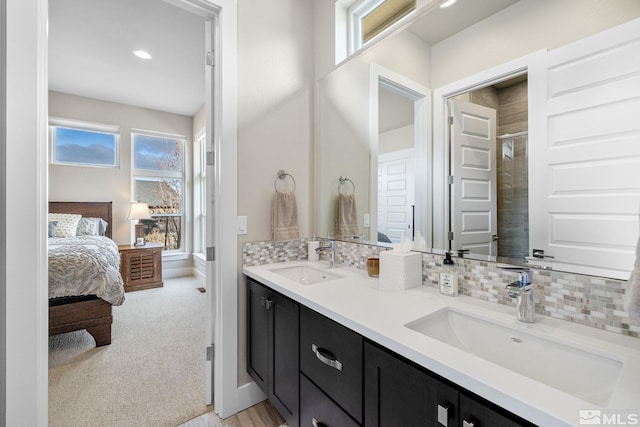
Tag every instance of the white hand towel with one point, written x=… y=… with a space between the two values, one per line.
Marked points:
x=284 y=217
x=632 y=294
x=346 y=215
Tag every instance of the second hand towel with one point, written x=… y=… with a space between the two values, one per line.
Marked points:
x=346 y=215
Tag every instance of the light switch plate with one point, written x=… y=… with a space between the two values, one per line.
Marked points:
x=366 y=220
x=242 y=225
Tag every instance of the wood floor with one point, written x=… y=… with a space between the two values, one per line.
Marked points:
x=261 y=415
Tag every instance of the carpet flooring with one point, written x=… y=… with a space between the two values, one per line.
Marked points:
x=152 y=373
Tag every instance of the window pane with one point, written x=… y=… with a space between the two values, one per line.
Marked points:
x=85 y=147
x=156 y=153
x=382 y=17
x=164 y=197
x=164 y=229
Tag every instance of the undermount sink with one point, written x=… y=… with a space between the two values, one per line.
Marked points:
x=306 y=275
x=584 y=373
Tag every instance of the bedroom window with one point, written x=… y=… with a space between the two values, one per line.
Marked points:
x=200 y=195
x=158 y=180
x=83 y=143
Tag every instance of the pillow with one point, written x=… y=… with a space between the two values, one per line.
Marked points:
x=91 y=227
x=52 y=228
x=87 y=227
x=66 y=224
x=102 y=227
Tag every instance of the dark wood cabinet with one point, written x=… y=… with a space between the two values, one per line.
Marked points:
x=141 y=266
x=319 y=373
x=318 y=410
x=331 y=356
x=475 y=412
x=398 y=393
x=272 y=353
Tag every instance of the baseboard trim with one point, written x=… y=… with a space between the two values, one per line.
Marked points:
x=172 y=273
x=249 y=395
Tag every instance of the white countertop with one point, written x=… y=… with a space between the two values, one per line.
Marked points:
x=357 y=302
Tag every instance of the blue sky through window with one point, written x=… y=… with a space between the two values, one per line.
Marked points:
x=156 y=153
x=85 y=147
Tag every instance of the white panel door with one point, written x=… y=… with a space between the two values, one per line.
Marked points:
x=473 y=166
x=396 y=194
x=585 y=152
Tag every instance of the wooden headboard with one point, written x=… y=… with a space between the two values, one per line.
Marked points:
x=86 y=209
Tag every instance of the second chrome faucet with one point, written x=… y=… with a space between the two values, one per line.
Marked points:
x=522 y=289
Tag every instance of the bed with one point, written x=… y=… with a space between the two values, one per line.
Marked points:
x=84 y=311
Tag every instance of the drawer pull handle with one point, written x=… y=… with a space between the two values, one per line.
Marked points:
x=316 y=423
x=326 y=357
x=267 y=302
x=466 y=423
x=443 y=415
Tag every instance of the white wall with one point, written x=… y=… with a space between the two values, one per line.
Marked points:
x=275 y=104
x=525 y=27
x=87 y=184
x=26 y=203
x=3 y=224
x=325 y=36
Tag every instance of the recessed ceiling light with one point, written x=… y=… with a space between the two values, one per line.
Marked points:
x=447 y=3
x=142 y=54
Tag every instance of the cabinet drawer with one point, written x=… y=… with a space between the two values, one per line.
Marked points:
x=479 y=414
x=332 y=356
x=317 y=410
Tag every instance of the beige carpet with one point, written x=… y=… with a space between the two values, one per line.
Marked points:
x=152 y=373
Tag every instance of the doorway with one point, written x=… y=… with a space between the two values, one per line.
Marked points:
x=209 y=15
x=489 y=199
x=396 y=178
x=400 y=146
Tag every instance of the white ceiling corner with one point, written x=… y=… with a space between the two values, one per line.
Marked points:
x=90 y=53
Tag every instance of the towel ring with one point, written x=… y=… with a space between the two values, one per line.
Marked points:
x=343 y=180
x=281 y=176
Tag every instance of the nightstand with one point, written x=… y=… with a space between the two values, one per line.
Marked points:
x=141 y=266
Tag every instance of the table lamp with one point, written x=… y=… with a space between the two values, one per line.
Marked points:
x=138 y=211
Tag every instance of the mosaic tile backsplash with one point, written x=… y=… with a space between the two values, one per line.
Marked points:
x=587 y=300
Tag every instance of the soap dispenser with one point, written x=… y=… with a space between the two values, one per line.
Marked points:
x=448 y=277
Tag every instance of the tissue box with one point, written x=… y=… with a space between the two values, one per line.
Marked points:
x=400 y=270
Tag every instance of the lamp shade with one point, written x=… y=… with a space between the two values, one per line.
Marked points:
x=138 y=210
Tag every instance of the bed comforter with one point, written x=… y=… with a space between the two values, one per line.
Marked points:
x=85 y=265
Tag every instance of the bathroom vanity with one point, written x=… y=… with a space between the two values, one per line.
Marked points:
x=345 y=353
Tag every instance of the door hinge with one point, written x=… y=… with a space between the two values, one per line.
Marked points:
x=450 y=179
x=211 y=59
x=450 y=120
x=210 y=158
x=210 y=352
x=450 y=235
x=211 y=253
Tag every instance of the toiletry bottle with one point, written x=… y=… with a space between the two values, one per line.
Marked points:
x=448 y=277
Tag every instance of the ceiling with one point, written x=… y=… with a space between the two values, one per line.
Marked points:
x=91 y=44
x=90 y=53
x=439 y=24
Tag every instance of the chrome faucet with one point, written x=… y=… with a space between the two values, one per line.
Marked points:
x=522 y=289
x=331 y=248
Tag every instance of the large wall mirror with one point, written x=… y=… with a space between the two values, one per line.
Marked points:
x=385 y=140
